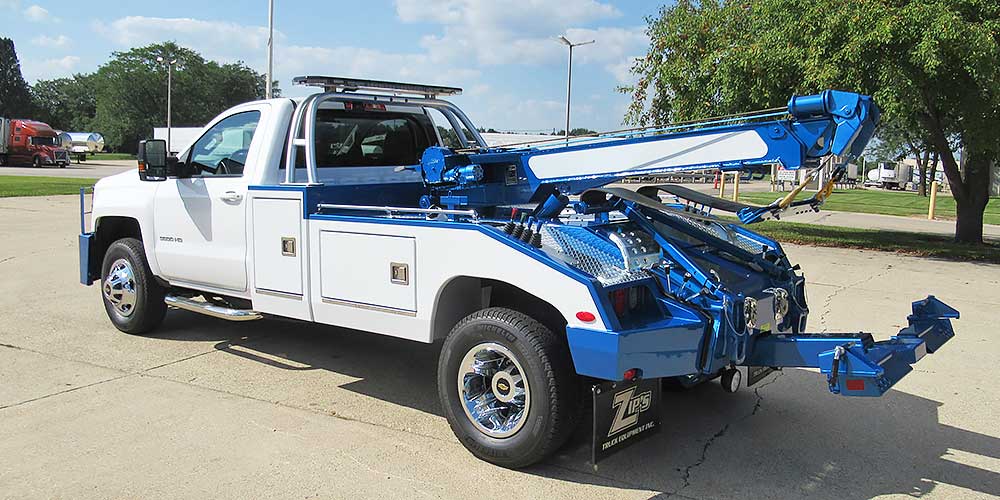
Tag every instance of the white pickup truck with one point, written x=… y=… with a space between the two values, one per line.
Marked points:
x=385 y=212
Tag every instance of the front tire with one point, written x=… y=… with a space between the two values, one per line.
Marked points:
x=132 y=297
x=508 y=387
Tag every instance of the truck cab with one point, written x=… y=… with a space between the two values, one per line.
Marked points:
x=29 y=142
x=376 y=206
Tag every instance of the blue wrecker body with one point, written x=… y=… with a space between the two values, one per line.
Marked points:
x=724 y=296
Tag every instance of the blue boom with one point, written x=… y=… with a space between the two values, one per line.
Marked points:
x=832 y=123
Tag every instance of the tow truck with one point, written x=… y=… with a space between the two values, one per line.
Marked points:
x=376 y=206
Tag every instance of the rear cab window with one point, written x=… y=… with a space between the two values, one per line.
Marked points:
x=370 y=138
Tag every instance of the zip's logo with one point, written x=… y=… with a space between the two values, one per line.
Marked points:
x=628 y=408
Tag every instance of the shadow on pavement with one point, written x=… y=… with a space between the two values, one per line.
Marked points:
x=788 y=439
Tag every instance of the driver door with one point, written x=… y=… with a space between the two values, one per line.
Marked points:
x=200 y=221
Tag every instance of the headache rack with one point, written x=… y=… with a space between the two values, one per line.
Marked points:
x=303 y=137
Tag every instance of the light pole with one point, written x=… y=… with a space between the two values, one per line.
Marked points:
x=270 y=49
x=569 y=77
x=170 y=83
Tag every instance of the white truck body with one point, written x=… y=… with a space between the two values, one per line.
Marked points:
x=223 y=235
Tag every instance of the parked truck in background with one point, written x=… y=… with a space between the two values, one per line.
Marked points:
x=890 y=175
x=349 y=208
x=81 y=144
x=29 y=142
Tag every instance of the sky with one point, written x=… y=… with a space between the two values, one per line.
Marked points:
x=503 y=54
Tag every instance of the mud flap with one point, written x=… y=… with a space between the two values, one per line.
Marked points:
x=624 y=413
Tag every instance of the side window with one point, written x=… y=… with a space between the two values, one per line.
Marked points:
x=222 y=150
x=448 y=134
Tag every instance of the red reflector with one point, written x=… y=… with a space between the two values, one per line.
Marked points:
x=585 y=316
x=856 y=384
x=630 y=374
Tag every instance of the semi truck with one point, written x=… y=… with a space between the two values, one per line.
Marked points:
x=546 y=289
x=29 y=142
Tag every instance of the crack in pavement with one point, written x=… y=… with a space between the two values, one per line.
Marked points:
x=123 y=373
x=92 y=384
x=840 y=288
x=686 y=473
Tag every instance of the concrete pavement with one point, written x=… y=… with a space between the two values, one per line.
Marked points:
x=888 y=223
x=88 y=169
x=279 y=409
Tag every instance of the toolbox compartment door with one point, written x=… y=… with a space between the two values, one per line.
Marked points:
x=373 y=271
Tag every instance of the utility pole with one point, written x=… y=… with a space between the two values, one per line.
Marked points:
x=170 y=83
x=269 y=93
x=569 y=76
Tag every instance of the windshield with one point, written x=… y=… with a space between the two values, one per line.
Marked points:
x=43 y=141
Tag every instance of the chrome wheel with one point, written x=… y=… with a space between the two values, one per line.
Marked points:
x=119 y=288
x=494 y=390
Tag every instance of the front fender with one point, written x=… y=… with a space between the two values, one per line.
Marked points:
x=124 y=195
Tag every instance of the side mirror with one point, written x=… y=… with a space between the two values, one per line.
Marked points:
x=152 y=156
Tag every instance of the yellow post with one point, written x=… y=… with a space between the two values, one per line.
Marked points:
x=722 y=184
x=930 y=208
x=774 y=177
x=736 y=186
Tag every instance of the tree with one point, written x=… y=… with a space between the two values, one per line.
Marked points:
x=930 y=64
x=131 y=92
x=896 y=142
x=66 y=103
x=15 y=99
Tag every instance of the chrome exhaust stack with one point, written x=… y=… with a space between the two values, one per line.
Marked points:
x=212 y=310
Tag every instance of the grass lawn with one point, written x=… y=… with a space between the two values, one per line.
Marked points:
x=24 y=185
x=923 y=245
x=884 y=202
x=111 y=156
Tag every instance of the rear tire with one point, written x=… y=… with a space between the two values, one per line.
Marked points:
x=497 y=355
x=132 y=297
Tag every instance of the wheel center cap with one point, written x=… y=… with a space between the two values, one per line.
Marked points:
x=503 y=386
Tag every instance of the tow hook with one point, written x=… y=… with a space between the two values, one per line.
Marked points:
x=731 y=379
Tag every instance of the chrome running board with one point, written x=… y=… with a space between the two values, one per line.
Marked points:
x=212 y=310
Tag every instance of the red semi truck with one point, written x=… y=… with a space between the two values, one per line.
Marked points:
x=28 y=142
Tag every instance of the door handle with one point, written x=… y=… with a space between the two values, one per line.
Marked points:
x=231 y=196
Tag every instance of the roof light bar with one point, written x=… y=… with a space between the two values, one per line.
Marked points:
x=338 y=84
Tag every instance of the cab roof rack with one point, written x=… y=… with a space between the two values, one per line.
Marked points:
x=338 y=84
